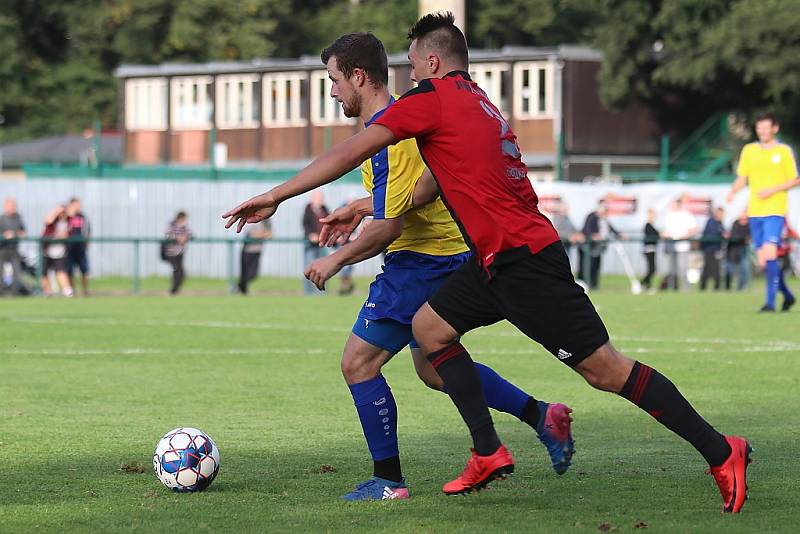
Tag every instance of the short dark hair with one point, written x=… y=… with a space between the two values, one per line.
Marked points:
x=766 y=117
x=439 y=31
x=360 y=51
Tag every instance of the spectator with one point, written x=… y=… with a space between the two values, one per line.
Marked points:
x=76 y=251
x=251 y=253
x=597 y=230
x=650 y=247
x=679 y=227
x=711 y=245
x=563 y=224
x=737 y=255
x=11 y=230
x=176 y=237
x=54 y=253
x=315 y=210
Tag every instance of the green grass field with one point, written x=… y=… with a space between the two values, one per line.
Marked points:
x=87 y=387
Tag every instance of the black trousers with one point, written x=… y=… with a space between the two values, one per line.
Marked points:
x=651 y=268
x=711 y=269
x=249 y=269
x=593 y=276
x=178 y=274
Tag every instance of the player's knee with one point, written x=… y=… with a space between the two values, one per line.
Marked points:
x=357 y=369
x=430 y=331
x=606 y=369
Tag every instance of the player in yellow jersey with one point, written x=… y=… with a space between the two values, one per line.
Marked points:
x=424 y=246
x=768 y=167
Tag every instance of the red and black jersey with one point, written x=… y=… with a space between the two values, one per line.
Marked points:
x=471 y=150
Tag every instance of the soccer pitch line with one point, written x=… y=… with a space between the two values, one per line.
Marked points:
x=660 y=345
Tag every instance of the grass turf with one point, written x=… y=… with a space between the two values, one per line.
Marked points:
x=89 y=385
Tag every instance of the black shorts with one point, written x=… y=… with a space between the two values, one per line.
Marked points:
x=54 y=264
x=536 y=293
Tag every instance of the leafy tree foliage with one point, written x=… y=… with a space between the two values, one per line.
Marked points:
x=684 y=58
x=689 y=58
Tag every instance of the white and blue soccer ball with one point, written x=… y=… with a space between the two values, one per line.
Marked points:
x=186 y=460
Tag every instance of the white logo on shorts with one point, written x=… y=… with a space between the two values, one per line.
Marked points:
x=563 y=355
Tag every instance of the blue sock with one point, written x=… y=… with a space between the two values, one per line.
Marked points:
x=783 y=287
x=500 y=394
x=378 y=414
x=772 y=274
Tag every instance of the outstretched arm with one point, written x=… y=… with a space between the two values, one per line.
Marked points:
x=325 y=169
x=371 y=242
x=337 y=227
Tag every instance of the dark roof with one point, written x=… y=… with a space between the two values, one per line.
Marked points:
x=61 y=149
x=507 y=53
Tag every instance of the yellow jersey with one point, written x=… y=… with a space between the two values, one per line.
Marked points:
x=767 y=167
x=389 y=177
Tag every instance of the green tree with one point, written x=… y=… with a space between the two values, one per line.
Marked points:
x=687 y=59
x=492 y=24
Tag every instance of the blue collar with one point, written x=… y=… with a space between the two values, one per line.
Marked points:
x=378 y=114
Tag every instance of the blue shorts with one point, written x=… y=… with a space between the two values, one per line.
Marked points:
x=766 y=230
x=408 y=280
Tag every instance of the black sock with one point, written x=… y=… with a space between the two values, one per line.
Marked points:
x=463 y=384
x=388 y=468
x=654 y=393
x=530 y=414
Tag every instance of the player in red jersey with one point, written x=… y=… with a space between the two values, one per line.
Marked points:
x=519 y=271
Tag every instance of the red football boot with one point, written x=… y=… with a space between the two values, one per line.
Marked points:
x=480 y=471
x=731 y=476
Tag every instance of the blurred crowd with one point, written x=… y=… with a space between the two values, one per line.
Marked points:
x=715 y=256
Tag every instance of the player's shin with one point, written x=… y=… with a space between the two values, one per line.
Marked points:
x=377 y=411
x=463 y=385
x=654 y=393
x=503 y=396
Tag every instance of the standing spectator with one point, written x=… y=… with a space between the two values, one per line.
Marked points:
x=11 y=230
x=711 y=245
x=650 y=246
x=177 y=235
x=566 y=230
x=54 y=253
x=597 y=230
x=315 y=210
x=737 y=255
x=251 y=253
x=679 y=227
x=76 y=251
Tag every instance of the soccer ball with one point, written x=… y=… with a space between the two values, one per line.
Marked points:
x=186 y=460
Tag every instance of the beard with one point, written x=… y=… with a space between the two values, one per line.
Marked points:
x=353 y=107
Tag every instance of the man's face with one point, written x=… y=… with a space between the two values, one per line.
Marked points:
x=9 y=206
x=419 y=63
x=766 y=131
x=343 y=89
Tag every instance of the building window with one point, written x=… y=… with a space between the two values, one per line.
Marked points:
x=237 y=101
x=533 y=90
x=391 y=83
x=493 y=78
x=325 y=111
x=284 y=94
x=146 y=104
x=191 y=103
